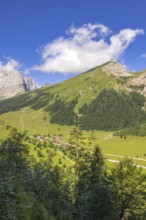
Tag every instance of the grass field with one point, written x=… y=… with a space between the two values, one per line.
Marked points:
x=132 y=146
x=37 y=122
x=58 y=158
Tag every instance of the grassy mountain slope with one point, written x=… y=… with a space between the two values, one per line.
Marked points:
x=58 y=103
x=85 y=87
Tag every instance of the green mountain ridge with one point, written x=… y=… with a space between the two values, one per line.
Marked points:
x=85 y=94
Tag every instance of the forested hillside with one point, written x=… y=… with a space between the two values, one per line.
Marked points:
x=110 y=110
x=88 y=190
x=113 y=111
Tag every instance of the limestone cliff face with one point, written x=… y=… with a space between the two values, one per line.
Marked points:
x=116 y=69
x=13 y=83
x=29 y=84
x=139 y=81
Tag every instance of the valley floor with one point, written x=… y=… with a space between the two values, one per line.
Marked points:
x=37 y=122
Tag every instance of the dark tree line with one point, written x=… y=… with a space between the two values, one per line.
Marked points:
x=62 y=112
x=112 y=110
x=36 y=100
x=109 y=111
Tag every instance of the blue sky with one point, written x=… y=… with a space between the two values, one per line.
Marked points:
x=52 y=40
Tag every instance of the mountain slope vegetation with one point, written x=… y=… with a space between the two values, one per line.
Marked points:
x=113 y=111
x=103 y=101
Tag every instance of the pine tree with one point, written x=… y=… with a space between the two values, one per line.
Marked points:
x=128 y=184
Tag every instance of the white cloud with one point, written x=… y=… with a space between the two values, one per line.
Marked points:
x=143 y=55
x=87 y=32
x=10 y=65
x=26 y=71
x=84 y=48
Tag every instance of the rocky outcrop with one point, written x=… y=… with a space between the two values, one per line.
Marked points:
x=133 y=82
x=13 y=83
x=116 y=69
x=29 y=84
x=138 y=82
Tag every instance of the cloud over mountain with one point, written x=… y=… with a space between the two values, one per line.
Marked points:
x=10 y=65
x=84 y=47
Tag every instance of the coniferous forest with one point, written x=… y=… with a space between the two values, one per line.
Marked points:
x=110 y=110
x=87 y=191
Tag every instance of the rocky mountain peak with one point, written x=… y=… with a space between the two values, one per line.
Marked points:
x=116 y=69
x=12 y=83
